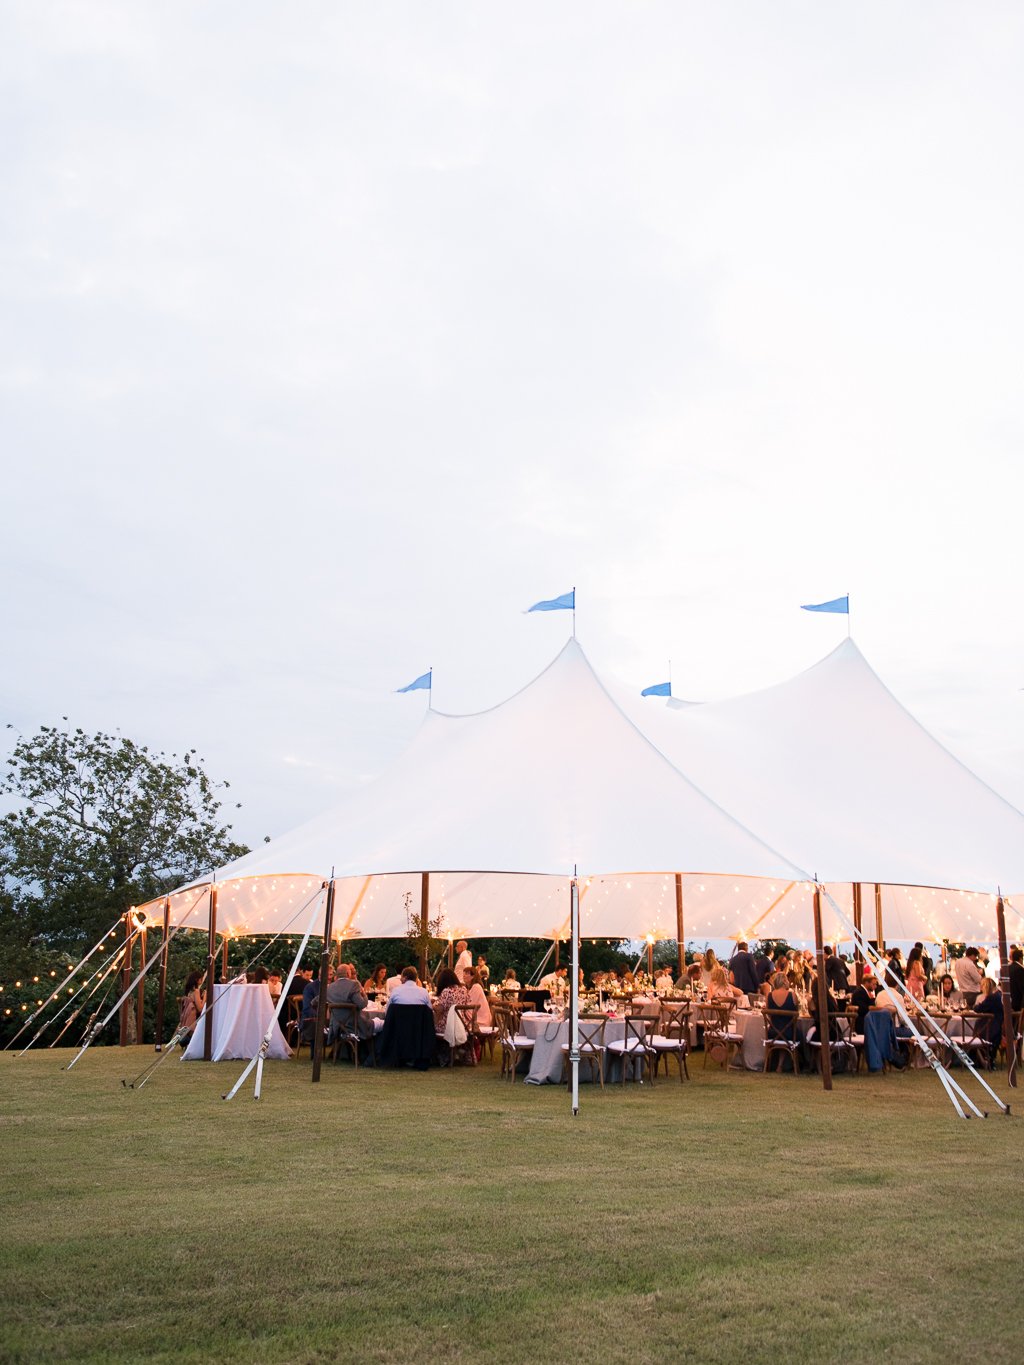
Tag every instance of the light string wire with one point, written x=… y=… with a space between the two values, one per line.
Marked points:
x=264 y=1047
x=177 y=1037
x=871 y=953
x=95 y=980
x=110 y=967
x=39 y=1008
x=95 y=1031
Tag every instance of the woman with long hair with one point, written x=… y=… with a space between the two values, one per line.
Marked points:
x=377 y=981
x=915 y=974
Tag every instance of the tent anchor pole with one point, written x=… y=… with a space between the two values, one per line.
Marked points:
x=824 y=1032
x=321 y=1001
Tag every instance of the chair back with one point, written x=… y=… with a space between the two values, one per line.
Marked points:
x=638 y=1030
x=715 y=1019
x=592 y=1033
x=467 y=1014
x=345 y=1018
x=675 y=1021
x=779 y=1025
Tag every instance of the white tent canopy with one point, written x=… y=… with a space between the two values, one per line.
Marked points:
x=501 y=806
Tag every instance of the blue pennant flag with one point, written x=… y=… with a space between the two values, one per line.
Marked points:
x=567 y=602
x=840 y=606
x=422 y=682
x=658 y=690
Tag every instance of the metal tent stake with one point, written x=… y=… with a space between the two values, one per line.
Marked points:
x=574 y=994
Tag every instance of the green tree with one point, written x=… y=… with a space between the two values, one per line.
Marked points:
x=100 y=824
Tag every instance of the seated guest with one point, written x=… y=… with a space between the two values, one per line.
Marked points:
x=484 y=970
x=258 y=975
x=833 y=1008
x=949 y=995
x=377 y=981
x=509 y=982
x=694 y=977
x=720 y=989
x=863 y=998
x=449 y=993
x=274 y=983
x=663 y=981
x=990 y=1002
x=555 y=981
x=311 y=992
x=781 y=998
x=300 y=981
x=346 y=990
x=477 y=996
x=408 y=991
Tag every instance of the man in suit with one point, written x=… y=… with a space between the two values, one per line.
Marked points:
x=836 y=972
x=346 y=990
x=1016 y=979
x=742 y=970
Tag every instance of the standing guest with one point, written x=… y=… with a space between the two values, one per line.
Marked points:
x=192 y=1004
x=968 y=976
x=377 y=981
x=896 y=964
x=464 y=959
x=408 y=991
x=926 y=962
x=477 y=996
x=765 y=968
x=837 y=973
x=449 y=993
x=742 y=971
x=916 y=975
x=484 y=970
x=708 y=963
x=1016 y=979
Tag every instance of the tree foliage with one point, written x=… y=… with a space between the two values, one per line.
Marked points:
x=100 y=824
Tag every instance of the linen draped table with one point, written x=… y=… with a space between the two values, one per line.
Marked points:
x=241 y=1013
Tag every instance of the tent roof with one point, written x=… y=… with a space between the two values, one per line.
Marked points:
x=830 y=768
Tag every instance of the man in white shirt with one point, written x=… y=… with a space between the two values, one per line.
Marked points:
x=555 y=981
x=465 y=958
x=410 y=992
x=968 y=976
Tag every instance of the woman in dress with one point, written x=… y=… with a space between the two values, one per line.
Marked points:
x=708 y=964
x=720 y=989
x=377 y=982
x=449 y=993
x=192 y=1005
x=990 y=1002
x=477 y=996
x=916 y=979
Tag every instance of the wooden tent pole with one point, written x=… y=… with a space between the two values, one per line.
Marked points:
x=858 y=918
x=1009 y=1032
x=140 y=1003
x=879 y=939
x=225 y=940
x=823 y=1021
x=680 y=942
x=126 y=978
x=321 y=1000
x=162 y=996
x=558 y=944
x=424 y=923
x=211 y=960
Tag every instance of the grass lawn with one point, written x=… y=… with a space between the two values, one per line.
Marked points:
x=408 y=1217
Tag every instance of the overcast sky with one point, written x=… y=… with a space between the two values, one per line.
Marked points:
x=332 y=336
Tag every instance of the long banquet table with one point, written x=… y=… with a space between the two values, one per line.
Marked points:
x=241 y=1013
x=549 y=1033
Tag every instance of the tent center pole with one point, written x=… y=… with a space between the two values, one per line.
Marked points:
x=574 y=995
x=879 y=939
x=858 y=915
x=140 y=1004
x=1009 y=1032
x=680 y=943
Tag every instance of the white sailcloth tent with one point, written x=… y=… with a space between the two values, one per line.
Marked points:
x=501 y=806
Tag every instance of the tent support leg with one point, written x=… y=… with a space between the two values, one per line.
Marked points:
x=574 y=995
x=1009 y=1032
x=161 y=998
x=211 y=959
x=321 y=1001
x=824 y=1033
x=858 y=916
x=126 y=976
x=680 y=942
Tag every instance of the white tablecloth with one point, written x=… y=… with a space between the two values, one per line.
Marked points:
x=549 y=1035
x=241 y=1014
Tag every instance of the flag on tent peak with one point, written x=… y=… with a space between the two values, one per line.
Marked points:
x=840 y=606
x=567 y=602
x=422 y=682
x=658 y=690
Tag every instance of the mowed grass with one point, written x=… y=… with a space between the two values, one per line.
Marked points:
x=383 y=1216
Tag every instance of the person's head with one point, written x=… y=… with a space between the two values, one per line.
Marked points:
x=410 y=974
x=472 y=978
x=827 y=950
x=914 y=955
x=260 y=974
x=380 y=974
x=562 y=971
x=947 y=985
x=446 y=978
x=988 y=987
x=481 y=961
x=741 y=946
x=918 y=947
x=510 y=975
x=1016 y=955
x=193 y=982
x=275 y=975
x=461 y=946
x=972 y=953
x=693 y=971
x=718 y=977
x=780 y=982
x=710 y=961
